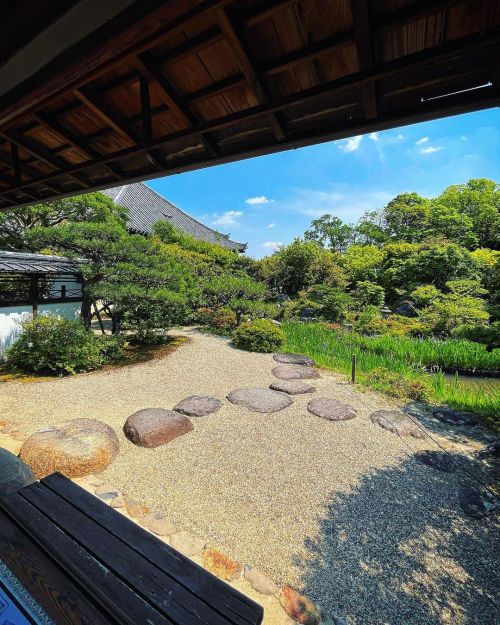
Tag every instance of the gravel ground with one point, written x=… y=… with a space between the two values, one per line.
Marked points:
x=340 y=509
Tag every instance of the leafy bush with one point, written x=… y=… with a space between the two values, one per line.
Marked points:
x=478 y=333
x=398 y=385
x=260 y=335
x=220 y=318
x=333 y=301
x=367 y=293
x=293 y=309
x=253 y=309
x=113 y=347
x=55 y=345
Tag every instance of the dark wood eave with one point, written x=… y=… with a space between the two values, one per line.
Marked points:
x=166 y=87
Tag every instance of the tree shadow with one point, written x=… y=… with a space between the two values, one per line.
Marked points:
x=398 y=550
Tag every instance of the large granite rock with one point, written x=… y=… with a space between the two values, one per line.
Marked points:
x=295 y=372
x=293 y=359
x=397 y=423
x=331 y=409
x=76 y=448
x=292 y=387
x=14 y=473
x=406 y=309
x=260 y=399
x=152 y=427
x=198 y=405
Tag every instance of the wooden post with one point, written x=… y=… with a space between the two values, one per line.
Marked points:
x=353 y=369
x=34 y=295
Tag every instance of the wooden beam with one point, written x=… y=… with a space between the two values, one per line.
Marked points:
x=40 y=151
x=172 y=99
x=147 y=128
x=102 y=110
x=266 y=10
x=411 y=13
x=453 y=50
x=14 y=153
x=242 y=57
x=366 y=57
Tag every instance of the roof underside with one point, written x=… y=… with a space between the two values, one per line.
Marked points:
x=146 y=207
x=165 y=87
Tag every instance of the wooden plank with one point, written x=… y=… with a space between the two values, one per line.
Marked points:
x=113 y=596
x=160 y=554
x=55 y=593
x=166 y=594
x=366 y=57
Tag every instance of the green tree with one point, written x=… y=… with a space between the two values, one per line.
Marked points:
x=448 y=222
x=330 y=232
x=450 y=311
x=366 y=294
x=363 y=262
x=424 y=295
x=478 y=199
x=406 y=218
x=92 y=207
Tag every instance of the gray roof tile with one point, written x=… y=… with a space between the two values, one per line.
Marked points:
x=146 y=207
x=24 y=262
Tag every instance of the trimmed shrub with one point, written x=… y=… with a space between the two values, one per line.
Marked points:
x=54 y=345
x=260 y=335
x=221 y=318
x=398 y=385
x=113 y=347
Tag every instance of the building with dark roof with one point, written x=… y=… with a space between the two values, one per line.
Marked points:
x=146 y=207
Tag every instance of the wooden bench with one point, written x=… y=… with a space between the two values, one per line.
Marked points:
x=85 y=563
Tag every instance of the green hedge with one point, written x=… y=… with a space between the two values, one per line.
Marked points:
x=260 y=335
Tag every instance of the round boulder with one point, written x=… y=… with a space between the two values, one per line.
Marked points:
x=397 y=423
x=331 y=409
x=454 y=417
x=292 y=387
x=293 y=359
x=14 y=473
x=295 y=372
x=260 y=399
x=76 y=448
x=152 y=427
x=198 y=406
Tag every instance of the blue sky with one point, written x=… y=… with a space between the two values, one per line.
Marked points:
x=270 y=200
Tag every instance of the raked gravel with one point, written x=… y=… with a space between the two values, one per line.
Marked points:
x=339 y=508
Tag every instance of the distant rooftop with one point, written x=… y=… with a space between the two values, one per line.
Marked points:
x=146 y=207
x=24 y=262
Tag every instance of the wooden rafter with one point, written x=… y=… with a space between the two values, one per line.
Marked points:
x=366 y=57
x=243 y=60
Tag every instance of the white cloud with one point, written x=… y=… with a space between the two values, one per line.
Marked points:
x=350 y=145
x=259 y=199
x=373 y=136
x=272 y=245
x=228 y=218
x=400 y=137
x=430 y=150
x=422 y=140
x=463 y=137
x=271 y=225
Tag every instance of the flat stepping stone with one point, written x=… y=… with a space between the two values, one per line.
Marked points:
x=295 y=372
x=198 y=406
x=293 y=359
x=454 y=417
x=439 y=460
x=397 y=423
x=260 y=399
x=152 y=427
x=331 y=409
x=292 y=387
x=477 y=502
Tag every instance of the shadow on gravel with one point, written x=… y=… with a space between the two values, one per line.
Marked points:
x=398 y=550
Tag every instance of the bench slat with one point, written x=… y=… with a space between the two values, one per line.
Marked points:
x=231 y=603
x=109 y=591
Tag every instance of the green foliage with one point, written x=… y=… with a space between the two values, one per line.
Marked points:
x=366 y=294
x=333 y=303
x=449 y=311
x=220 y=319
x=363 y=262
x=230 y=290
x=330 y=232
x=300 y=265
x=260 y=335
x=397 y=384
x=54 y=345
x=295 y=308
x=406 y=217
x=16 y=223
x=425 y=295
x=486 y=334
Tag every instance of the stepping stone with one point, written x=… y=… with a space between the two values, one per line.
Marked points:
x=292 y=387
x=331 y=409
x=397 y=423
x=152 y=427
x=293 y=359
x=75 y=447
x=188 y=544
x=198 y=406
x=295 y=372
x=260 y=581
x=260 y=399
x=439 y=460
x=454 y=417
x=476 y=503
x=221 y=565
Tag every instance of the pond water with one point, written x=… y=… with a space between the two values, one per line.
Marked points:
x=474 y=381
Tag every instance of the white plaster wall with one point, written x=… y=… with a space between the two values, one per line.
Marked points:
x=10 y=317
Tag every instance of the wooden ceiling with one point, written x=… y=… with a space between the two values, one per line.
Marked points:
x=170 y=86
